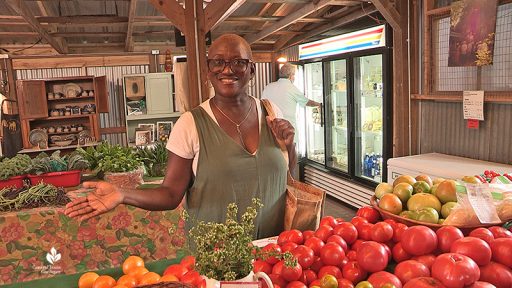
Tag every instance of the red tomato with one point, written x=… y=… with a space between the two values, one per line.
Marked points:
x=347 y=231
x=382 y=232
x=317 y=264
x=270 y=251
x=315 y=283
x=391 y=222
x=277 y=279
x=353 y=272
x=424 y=282
x=295 y=236
x=308 y=234
x=427 y=260
x=364 y=231
x=278 y=267
x=483 y=233
x=261 y=266
x=372 y=256
x=188 y=262
x=480 y=284
x=398 y=230
x=379 y=279
x=352 y=255
x=283 y=237
x=308 y=276
x=497 y=274
x=357 y=244
x=288 y=246
x=369 y=213
x=446 y=235
x=475 y=248
x=291 y=273
x=500 y=232
x=304 y=255
x=324 y=232
x=332 y=254
x=388 y=250
x=316 y=244
x=399 y=253
x=192 y=277
x=328 y=220
x=502 y=251
x=177 y=270
x=419 y=240
x=358 y=220
x=330 y=270
x=344 y=283
x=410 y=269
x=338 y=240
x=455 y=270
x=339 y=220
x=296 y=284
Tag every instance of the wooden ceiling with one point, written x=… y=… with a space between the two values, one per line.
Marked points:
x=37 y=27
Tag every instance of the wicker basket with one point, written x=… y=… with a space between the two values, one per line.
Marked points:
x=170 y=284
x=409 y=222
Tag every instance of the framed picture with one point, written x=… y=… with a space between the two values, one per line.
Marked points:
x=134 y=87
x=163 y=129
x=149 y=127
x=142 y=137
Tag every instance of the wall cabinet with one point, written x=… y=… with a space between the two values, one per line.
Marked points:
x=62 y=107
x=150 y=100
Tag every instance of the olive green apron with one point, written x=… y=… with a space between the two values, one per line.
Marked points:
x=227 y=173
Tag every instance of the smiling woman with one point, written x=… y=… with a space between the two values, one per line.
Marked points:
x=231 y=128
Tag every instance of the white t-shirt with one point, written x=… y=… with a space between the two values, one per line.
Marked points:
x=286 y=96
x=184 y=140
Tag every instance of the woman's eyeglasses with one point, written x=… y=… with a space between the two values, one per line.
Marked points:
x=236 y=65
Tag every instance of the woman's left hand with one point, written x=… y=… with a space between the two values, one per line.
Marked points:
x=282 y=130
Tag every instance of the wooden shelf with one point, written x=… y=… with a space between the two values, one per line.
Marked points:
x=61 y=133
x=54 y=148
x=72 y=98
x=69 y=117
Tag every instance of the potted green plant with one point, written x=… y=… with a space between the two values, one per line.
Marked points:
x=224 y=251
x=154 y=158
x=115 y=164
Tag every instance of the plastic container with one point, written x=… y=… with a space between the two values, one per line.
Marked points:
x=59 y=179
x=16 y=181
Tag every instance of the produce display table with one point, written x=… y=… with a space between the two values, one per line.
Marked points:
x=28 y=236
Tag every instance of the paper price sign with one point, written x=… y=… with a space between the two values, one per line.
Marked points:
x=481 y=200
x=473 y=105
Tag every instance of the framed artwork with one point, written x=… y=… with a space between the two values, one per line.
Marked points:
x=134 y=87
x=163 y=129
x=142 y=137
x=149 y=127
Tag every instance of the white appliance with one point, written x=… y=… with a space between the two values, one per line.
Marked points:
x=437 y=165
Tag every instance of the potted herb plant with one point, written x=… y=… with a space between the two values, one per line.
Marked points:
x=224 y=251
x=154 y=158
x=115 y=164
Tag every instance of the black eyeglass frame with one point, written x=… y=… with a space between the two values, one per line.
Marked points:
x=226 y=63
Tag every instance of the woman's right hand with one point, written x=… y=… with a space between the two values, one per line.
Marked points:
x=104 y=198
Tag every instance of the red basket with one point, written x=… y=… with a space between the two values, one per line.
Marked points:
x=16 y=181
x=59 y=179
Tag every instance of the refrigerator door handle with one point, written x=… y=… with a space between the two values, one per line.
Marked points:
x=321 y=111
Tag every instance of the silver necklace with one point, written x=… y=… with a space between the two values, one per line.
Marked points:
x=237 y=125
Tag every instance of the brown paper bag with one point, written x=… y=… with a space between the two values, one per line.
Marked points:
x=304 y=202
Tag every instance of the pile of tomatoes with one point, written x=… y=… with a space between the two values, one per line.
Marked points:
x=365 y=252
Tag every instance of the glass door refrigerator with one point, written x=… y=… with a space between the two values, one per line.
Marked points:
x=351 y=134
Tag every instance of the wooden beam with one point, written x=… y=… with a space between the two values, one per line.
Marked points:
x=19 y=7
x=74 y=61
x=288 y=20
x=88 y=34
x=273 y=18
x=104 y=19
x=19 y=34
x=491 y=97
x=280 y=1
x=129 y=32
x=339 y=22
x=172 y=10
x=217 y=11
x=389 y=12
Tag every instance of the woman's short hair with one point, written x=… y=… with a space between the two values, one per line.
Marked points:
x=287 y=70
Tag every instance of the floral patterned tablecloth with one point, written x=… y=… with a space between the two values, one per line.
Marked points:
x=43 y=242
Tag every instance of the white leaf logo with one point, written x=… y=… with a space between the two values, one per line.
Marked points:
x=53 y=256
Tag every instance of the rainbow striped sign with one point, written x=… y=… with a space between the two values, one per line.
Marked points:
x=359 y=40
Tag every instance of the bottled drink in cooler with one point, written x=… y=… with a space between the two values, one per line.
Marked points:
x=365 y=165
x=370 y=165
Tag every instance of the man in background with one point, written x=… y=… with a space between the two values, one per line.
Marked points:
x=286 y=96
